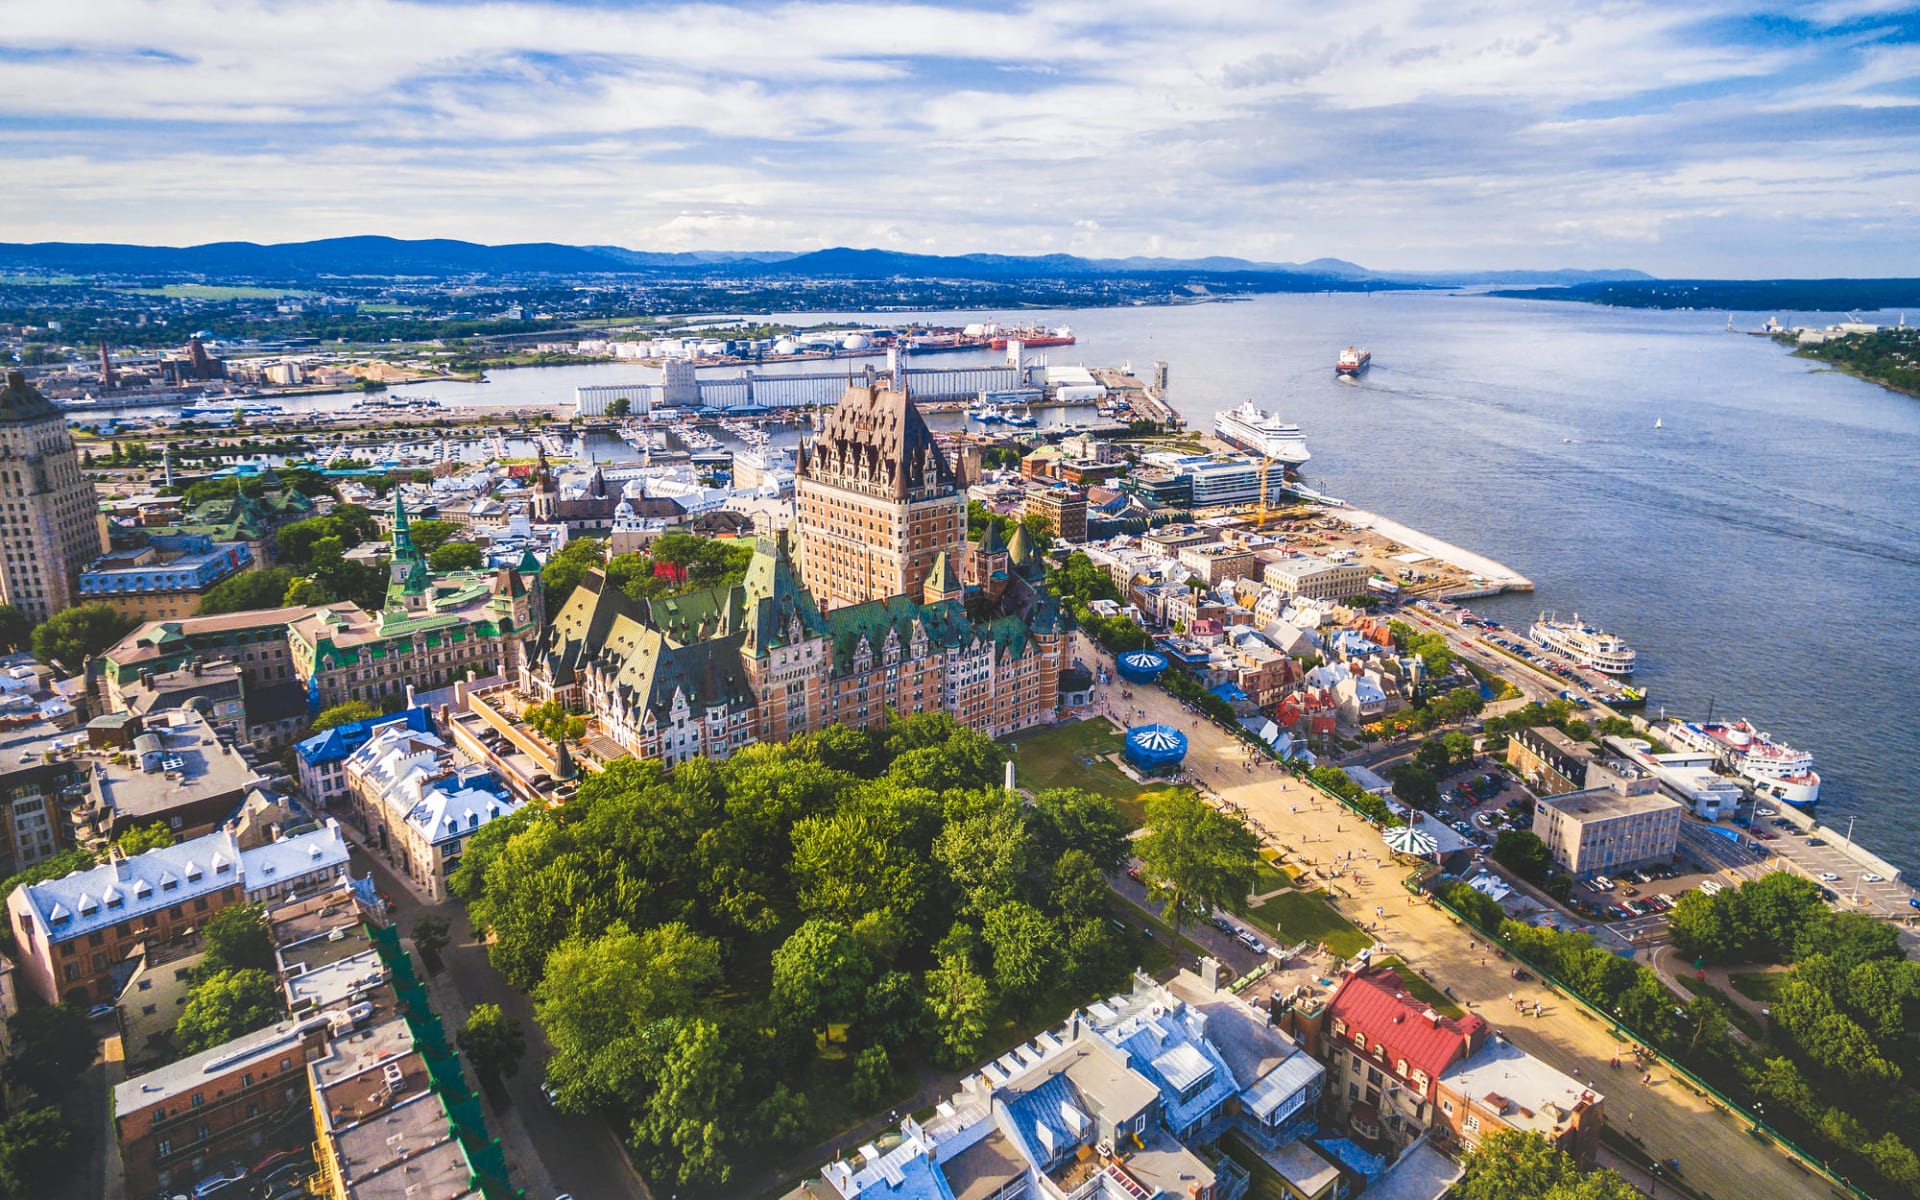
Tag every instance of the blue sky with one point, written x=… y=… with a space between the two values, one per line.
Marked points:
x=1682 y=139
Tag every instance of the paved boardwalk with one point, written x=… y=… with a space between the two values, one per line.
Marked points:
x=1714 y=1147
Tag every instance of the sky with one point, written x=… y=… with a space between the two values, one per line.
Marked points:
x=1682 y=139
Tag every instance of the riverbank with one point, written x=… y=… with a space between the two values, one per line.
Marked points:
x=1488 y=576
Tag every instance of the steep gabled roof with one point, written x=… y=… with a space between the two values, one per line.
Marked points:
x=875 y=441
x=1378 y=1004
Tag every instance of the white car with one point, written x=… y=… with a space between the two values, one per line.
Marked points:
x=1873 y=879
x=1251 y=942
x=1829 y=877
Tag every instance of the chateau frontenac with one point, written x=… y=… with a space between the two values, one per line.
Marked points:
x=877 y=603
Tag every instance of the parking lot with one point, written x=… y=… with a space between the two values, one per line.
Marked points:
x=1819 y=859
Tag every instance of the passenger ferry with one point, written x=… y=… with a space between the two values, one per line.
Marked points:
x=1606 y=653
x=1773 y=768
x=1262 y=433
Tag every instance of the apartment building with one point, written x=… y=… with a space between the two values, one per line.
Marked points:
x=1552 y=762
x=1308 y=576
x=81 y=936
x=1621 y=824
x=418 y=804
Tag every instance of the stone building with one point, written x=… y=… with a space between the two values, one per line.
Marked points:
x=970 y=628
x=876 y=502
x=48 y=528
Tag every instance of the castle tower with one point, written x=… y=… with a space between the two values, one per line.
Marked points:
x=876 y=501
x=987 y=562
x=52 y=532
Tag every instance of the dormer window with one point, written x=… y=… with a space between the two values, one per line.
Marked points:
x=115 y=901
x=193 y=873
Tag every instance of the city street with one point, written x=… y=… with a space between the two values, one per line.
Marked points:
x=1673 y=1121
x=552 y=1153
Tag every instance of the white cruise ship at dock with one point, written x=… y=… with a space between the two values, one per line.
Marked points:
x=1604 y=652
x=1262 y=433
x=1774 y=769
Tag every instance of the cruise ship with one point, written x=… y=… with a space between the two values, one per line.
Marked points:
x=1773 y=768
x=1262 y=433
x=1352 y=362
x=1604 y=652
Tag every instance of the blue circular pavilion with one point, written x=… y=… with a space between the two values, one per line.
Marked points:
x=1142 y=666
x=1155 y=748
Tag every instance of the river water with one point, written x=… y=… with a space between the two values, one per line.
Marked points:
x=1761 y=550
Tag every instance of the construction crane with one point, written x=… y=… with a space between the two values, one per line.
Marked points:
x=1260 y=510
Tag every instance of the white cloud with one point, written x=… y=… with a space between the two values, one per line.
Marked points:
x=1504 y=132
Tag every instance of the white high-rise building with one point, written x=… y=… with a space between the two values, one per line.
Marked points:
x=49 y=526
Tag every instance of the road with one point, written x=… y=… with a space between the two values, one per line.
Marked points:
x=552 y=1153
x=1713 y=1145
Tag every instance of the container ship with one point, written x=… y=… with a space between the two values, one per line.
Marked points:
x=1262 y=433
x=1773 y=768
x=1032 y=336
x=1352 y=362
x=1606 y=653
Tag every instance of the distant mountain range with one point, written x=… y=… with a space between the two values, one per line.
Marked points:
x=441 y=258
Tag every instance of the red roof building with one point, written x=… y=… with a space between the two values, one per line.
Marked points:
x=1396 y=1068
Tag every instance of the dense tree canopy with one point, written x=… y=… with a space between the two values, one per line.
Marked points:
x=248 y=591
x=73 y=635
x=16 y=630
x=693 y=940
x=344 y=713
x=51 y=1046
x=1195 y=858
x=224 y=1005
x=1509 y=1165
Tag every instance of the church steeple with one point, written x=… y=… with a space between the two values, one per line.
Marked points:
x=403 y=547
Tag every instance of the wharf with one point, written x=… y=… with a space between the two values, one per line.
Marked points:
x=1490 y=577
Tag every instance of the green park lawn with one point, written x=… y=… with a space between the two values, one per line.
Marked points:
x=1294 y=916
x=1762 y=987
x=1421 y=990
x=1744 y=1020
x=1073 y=756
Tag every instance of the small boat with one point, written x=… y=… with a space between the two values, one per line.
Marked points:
x=1658 y=424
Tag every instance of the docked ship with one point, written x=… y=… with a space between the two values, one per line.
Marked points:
x=1773 y=768
x=1352 y=362
x=1606 y=653
x=1031 y=336
x=1262 y=433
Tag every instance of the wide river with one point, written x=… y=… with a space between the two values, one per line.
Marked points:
x=1761 y=549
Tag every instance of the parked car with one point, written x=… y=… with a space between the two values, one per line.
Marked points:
x=1873 y=879
x=1222 y=924
x=219 y=1181
x=1251 y=942
x=1829 y=877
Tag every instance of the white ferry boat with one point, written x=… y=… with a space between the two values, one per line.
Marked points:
x=1262 y=433
x=1606 y=653
x=1774 y=768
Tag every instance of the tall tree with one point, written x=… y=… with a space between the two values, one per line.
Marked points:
x=34 y=1158
x=344 y=713
x=248 y=591
x=1026 y=948
x=692 y=1087
x=51 y=1047
x=819 y=974
x=16 y=630
x=237 y=939
x=225 y=1005
x=493 y=1041
x=1195 y=859
x=138 y=839
x=430 y=935
x=599 y=1003
x=73 y=635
